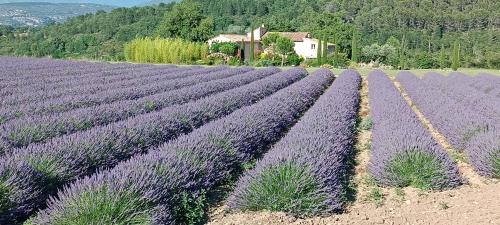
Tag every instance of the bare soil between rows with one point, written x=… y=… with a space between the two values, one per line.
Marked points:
x=475 y=203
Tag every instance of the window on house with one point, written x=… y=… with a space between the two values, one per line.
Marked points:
x=313 y=46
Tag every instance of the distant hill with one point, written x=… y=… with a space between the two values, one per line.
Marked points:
x=42 y=13
x=155 y=2
x=119 y=3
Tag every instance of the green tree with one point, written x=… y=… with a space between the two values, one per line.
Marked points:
x=318 y=53
x=269 y=43
x=455 y=59
x=354 y=46
x=442 y=58
x=186 y=21
x=252 y=46
x=324 y=57
x=284 y=46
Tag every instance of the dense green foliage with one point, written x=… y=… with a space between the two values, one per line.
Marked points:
x=422 y=28
x=172 y=51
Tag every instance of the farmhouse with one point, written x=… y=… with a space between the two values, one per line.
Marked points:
x=305 y=45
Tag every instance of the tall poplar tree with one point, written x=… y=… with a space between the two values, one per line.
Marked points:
x=318 y=53
x=442 y=58
x=252 y=46
x=324 y=57
x=354 y=46
x=455 y=58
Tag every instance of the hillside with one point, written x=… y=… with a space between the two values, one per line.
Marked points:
x=42 y=13
x=422 y=31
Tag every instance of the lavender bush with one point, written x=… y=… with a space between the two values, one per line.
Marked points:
x=93 y=85
x=186 y=167
x=305 y=173
x=24 y=131
x=460 y=123
x=64 y=159
x=77 y=75
x=72 y=102
x=403 y=151
x=464 y=94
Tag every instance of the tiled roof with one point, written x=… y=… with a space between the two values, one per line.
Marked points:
x=294 y=36
x=235 y=37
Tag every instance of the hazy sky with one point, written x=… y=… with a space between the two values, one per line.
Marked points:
x=105 y=2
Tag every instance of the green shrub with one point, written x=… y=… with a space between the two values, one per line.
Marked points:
x=416 y=169
x=191 y=209
x=424 y=60
x=339 y=60
x=294 y=59
x=287 y=188
x=264 y=63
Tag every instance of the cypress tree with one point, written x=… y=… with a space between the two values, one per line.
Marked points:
x=318 y=53
x=354 y=46
x=442 y=58
x=455 y=59
x=324 y=57
x=252 y=46
x=242 y=51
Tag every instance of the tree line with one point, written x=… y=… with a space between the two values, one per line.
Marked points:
x=404 y=34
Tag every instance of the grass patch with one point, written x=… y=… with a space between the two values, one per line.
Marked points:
x=458 y=157
x=416 y=169
x=400 y=192
x=366 y=123
x=369 y=181
x=375 y=195
x=444 y=205
x=287 y=188
x=101 y=206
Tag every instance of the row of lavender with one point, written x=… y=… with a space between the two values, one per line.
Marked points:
x=468 y=118
x=307 y=172
x=404 y=152
x=37 y=171
x=83 y=85
x=20 y=78
x=151 y=187
x=24 y=131
x=486 y=83
x=65 y=103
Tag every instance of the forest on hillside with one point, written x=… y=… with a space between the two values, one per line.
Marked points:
x=422 y=32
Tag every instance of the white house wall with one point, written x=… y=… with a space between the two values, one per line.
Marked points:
x=304 y=48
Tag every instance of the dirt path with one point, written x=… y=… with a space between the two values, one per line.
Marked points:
x=474 y=204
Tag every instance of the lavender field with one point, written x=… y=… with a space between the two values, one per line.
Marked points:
x=101 y=143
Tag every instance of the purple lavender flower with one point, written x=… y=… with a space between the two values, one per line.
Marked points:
x=184 y=169
x=67 y=158
x=403 y=151
x=305 y=173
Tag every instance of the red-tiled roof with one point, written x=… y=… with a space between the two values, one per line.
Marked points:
x=294 y=36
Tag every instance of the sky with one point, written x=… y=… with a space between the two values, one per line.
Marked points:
x=124 y=3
